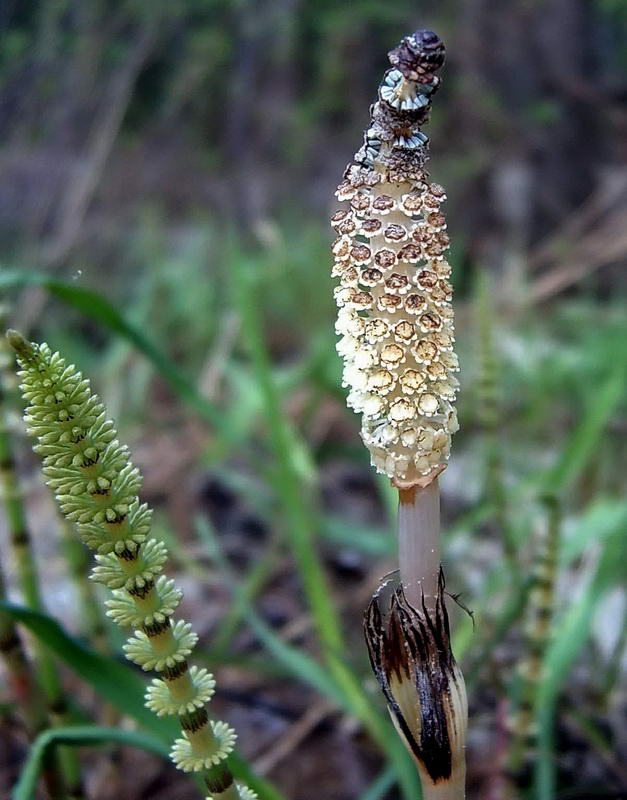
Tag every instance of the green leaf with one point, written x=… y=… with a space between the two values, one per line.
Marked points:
x=585 y=438
x=96 y=307
x=355 y=536
x=120 y=685
x=113 y=681
x=302 y=525
x=76 y=736
x=571 y=635
x=599 y=520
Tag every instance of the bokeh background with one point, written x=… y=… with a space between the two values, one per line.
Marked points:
x=166 y=175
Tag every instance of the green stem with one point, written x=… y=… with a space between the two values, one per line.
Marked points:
x=490 y=417
x=614 y=668
x=203 y=741
x=181 y=688
x=25 y=691
x=541 y=606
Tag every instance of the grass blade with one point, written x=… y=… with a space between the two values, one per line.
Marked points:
x=101 y=310
x=299 y=664
x=120 y=685
x=571 y=635
x=114 y=681
x=585 y=438
x=293 y=495
x=77 y=736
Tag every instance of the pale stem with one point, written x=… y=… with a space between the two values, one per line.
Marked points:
x=419 y=544
x=453 y=789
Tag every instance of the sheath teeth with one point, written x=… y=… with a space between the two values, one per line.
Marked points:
x=401 y=93
x=412 y=142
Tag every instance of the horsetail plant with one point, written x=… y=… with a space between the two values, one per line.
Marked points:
x=96 y=486
x=489 y=413
x=75 y=552
x=538 y=631
x=396 y=326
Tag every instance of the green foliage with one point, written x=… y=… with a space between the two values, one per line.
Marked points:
x=96 y=487
x=226 y=361
x=572 y=633
x=114 y=682
x=100 y=310
x=561 y=393
x=300 y=520
x=79 y=736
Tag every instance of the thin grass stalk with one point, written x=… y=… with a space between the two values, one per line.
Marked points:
x=96 y=487
x=490 y=416
x=611 y=678
x=541 y=606
x=19 y=537
x=295 y=501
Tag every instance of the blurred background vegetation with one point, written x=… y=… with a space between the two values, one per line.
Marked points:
x=166 y=173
